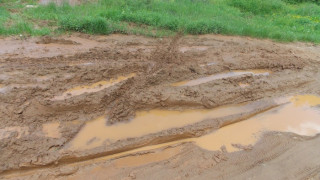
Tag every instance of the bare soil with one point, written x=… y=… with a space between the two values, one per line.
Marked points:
x=35 y=70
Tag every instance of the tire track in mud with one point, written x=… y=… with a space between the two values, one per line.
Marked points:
x=157 y=64
x=165 y=137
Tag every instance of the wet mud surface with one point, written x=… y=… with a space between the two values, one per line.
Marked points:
x=131 y=107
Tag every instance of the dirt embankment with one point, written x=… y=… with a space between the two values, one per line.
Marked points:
x=37 y=127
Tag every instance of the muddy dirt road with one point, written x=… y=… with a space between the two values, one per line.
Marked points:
x=130 y=107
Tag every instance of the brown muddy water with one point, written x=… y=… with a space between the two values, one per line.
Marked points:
x=96 y=133
x=98 y=86
x=52 y=130
x=299 y=115
x=221 y=76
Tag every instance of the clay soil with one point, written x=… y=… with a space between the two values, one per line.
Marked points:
x=35 y=70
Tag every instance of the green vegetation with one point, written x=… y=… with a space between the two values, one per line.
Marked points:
x=284 y=20
x=89 y=24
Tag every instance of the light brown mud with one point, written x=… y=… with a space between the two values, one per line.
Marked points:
x=130 y=107
x=195 y=82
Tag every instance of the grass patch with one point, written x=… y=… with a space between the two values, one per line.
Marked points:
x=282 y=20
x=4 y=15
x=23 y=28
x=259 y=6
x=302 y=1
x=92 y=25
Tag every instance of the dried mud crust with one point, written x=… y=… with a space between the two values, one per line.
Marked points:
x=30 y=79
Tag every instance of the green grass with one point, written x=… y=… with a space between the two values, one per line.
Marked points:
x=282 y=20
x=94 y=25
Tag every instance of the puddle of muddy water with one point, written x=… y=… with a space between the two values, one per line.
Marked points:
x=98 y=86
x=51 y=130
x=299 y=117
x=96 y=133
x=221 y=76
x=310 y=100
